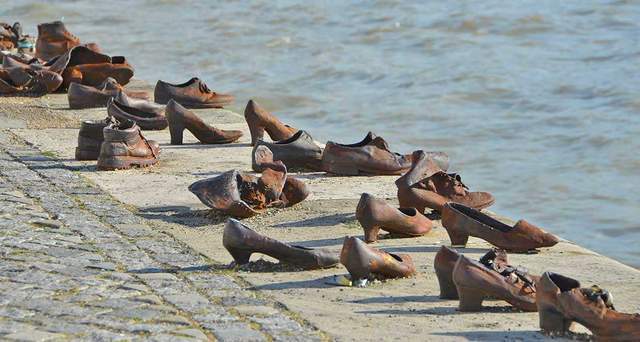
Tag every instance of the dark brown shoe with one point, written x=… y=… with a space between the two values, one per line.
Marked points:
x=443 y=264
x=259 y=120
x=27 y=82
x=461 y=222
x=371 y=156
x=90 y=138
x=95 y=74
x=124 y=147
x=192 y=94
x=299 y=152
x=365 y=262
x=84 y=96
x=375 y=214
x=54 y=40
x=561 y=301
x=241 y=241
x=147 y=120
x=180 y=118
x=475 y=282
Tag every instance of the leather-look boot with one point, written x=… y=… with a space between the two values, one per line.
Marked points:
x=561 y=301
x=90 y=138
x=375 y=214
x=259 y=120
x=125 y=147
x=241 y=241
x=180 y=118
x=54 y=40
x=365 y=262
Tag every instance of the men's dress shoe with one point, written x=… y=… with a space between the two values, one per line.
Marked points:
x=90 y=138
x=365 y=262
x=192 y=94
x=461 y=222
x=85 y=66
x=427 y=186
x=371 y=156
x=561 y=301
x=54 y=40
x=443 y=263
x=242 y=241
x=125 y=147
x=259 y=120
x=375 y=214
x=147 y=120
x=180 y=118
x=299 y=152
x=84 y=96
x=493 y=278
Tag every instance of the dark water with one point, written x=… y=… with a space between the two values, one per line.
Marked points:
x=537 y=102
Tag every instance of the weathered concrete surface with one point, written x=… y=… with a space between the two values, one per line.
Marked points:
x=401 y=309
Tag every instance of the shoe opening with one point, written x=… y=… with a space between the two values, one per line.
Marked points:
x=302 y=247
x=363 y=142
x=185 y=84
x=134 y=111
x=482 y=218
x=408 y=211
x=395 y=256
x=291 y=139
x=564 y=283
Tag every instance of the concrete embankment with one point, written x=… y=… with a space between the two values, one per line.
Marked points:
x=407 y=309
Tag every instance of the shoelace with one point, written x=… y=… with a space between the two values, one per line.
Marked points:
x=595 y=292
x=520 y=272
x=204 y=88
x=457 y=180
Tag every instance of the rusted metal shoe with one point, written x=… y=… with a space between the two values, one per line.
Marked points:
x=427 y=186
x=375 y=214
x=461 y=222
x=371 y=156
x=294 y=191
x=27 y=82
x=493 y=278
x=124 y=147
x=242 y=241
x=365 y=262
x=180 y=118
x=145 y=118
x=443 y=264
x=90 y=138
x=259 y=120
x=299 y=152
x=53 y=40
x=192 y=94
x=561 y=302
x=84 y=96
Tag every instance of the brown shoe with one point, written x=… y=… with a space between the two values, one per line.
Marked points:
x=84 y=96
x=180 y=118
x=375 y=214
x=365 y=262
x=424 y=186
x=125 y=147
x=241 y=241
x=90 y=138
x=443 y=264
x=95 y=74
x=259 y=120
x=561 y=302
x=146 y=120
x=299 y=152
x=493 y=278
x=294 y=191
x=54 y=40
x=461 y=222
x=25 y=77
x=192 y=94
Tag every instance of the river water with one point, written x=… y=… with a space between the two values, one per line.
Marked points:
x=537 y=101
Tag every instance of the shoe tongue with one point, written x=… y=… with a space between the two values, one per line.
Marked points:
x=594 y=292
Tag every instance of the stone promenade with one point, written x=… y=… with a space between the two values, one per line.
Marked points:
x=78 y=265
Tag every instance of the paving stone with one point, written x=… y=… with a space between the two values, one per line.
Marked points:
x=33 y=335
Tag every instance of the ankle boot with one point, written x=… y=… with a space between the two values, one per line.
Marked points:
x=180 y=118
x=90 y=138
x=443 y=264
x=365 y=262
x=260 y=120
x=461 y=222
x=54 y=40
x=241 y=241
x=125 y=147
x=375 y=214
x=561 y=302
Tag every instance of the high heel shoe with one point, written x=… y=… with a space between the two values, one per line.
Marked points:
x=180 y=118
x=259 y=120
x=364 y=262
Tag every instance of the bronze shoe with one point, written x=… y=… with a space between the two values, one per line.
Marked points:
x=365 y=262
x=461 y=222
x=375 y=214
x=443 y=264
x=117 y=68
x=24 y=77
x=147 y=120
x=371 y=156
x=124 y=147
x=294 y=191
x=259 y=120
x=54 y=40
x=180 y=118
x=90 y=138
x=241 y=241
x=561 y=302
x=493 y=278
x=84 y=96
x=192 y=94
x=299 y=152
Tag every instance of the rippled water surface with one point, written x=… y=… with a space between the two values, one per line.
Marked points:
x=537 y=102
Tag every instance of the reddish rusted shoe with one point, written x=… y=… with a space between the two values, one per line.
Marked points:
x=21 y=77
x=84 y=96
x=461 y=222
x=192 y=94
x=561 y=302
x=241 y=241
x=365 y=262
x=443 y=264
x=259 y=120
x=124 y=147
x=180 y=118
x=147 y=120
x=300 y=152
x=493 y=278
x=54 y=40
x=90 y=138
x=295 y=191
x=375 y=214
x=95 y=74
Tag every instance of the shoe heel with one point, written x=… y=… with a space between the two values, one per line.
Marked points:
x=257 y=133
x=457 y=239
x=371 y=234
x=553 y=322
x=240 y=256
x=470 y=299
x=176 y=133
x=448 y=289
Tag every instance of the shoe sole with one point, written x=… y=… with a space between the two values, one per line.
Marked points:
x=123 y=163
